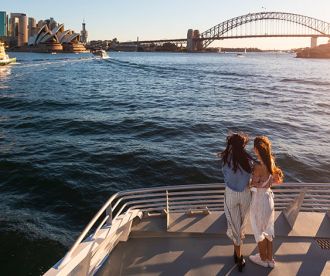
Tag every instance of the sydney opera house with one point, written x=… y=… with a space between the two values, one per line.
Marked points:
x=54 y=38
x=23 y=33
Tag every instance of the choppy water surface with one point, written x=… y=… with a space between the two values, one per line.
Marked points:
x=74 y=129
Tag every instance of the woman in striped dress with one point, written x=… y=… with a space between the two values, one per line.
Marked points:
x=237 y=168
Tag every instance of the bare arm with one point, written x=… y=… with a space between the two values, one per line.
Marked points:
x=255 y=179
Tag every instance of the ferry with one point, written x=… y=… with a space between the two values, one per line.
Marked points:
x=4 y=58
x=181 y=230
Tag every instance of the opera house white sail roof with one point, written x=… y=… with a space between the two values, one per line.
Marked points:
x=57 y=35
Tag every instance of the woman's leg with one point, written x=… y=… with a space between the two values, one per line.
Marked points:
x=233 y=217
x=263 y=249
x=238 y=251
x=234 y=220
x=269 y=250
x=271 y=262
x=245 y=203
x=261 y=258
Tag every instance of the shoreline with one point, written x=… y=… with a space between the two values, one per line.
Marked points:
x=170 y=52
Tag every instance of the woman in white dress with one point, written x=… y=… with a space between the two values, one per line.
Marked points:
x=264 y=175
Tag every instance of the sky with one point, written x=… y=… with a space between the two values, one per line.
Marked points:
x=159 y=19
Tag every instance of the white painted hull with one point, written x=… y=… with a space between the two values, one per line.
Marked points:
x=7 y=61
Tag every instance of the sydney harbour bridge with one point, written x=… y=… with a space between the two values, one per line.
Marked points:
x=252 y=25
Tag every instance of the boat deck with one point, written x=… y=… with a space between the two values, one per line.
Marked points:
x=212 y=256
x=181 y=230
x=197 y=245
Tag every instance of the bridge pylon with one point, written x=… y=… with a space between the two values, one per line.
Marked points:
x=190 y=41
x=194 y=43
x=313 y=41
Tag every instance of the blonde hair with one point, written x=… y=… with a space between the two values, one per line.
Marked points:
x=264 y=148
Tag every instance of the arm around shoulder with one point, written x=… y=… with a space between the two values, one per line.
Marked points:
x=255 y=178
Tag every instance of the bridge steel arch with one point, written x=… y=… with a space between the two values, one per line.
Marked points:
x=218 y=31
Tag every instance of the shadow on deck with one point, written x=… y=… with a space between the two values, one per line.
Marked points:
x=198 y=246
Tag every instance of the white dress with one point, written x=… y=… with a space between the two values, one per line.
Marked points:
x=262 y=212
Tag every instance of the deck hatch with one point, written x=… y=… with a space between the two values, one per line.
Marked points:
x=323 y=243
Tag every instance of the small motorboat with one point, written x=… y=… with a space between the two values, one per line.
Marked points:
x=101 y=53
x=4 y=58
x=240 y=54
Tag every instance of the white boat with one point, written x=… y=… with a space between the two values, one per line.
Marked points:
x=240 y=54
x=181 y=230
x=101 y=53
x=4 y=58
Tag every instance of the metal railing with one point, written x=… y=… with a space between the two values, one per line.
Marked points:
x=194 y=197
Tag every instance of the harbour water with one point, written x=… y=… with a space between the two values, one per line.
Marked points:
x=75 y=129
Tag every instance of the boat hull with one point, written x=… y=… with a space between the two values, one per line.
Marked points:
x=7 y=61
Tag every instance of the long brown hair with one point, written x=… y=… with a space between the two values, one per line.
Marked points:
x=264 y=148
x=235 y=154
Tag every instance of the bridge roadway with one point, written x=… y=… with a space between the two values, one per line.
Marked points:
x=184 y=40
x=295 y=25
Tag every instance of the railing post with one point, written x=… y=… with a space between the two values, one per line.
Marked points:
x=291 y=212
x=167 y=211
x=108 y=212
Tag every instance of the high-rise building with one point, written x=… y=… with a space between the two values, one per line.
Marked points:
x=7 y=22
x=22 y=31
x=18 y=29
x=3 y=23
x=32 y=26
x=83 y=33
x=13 y=22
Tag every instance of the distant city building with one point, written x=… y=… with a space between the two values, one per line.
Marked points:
x=13 y=24
x=32 y=26
x=51 y=23
x=40 y=24
x=23 y=34
x=18 y=29
x=83 y=33
x=8 y=26
x=3 y=23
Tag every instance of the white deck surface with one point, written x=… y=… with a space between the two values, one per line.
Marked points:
x=190 y=249
x=212 y=256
